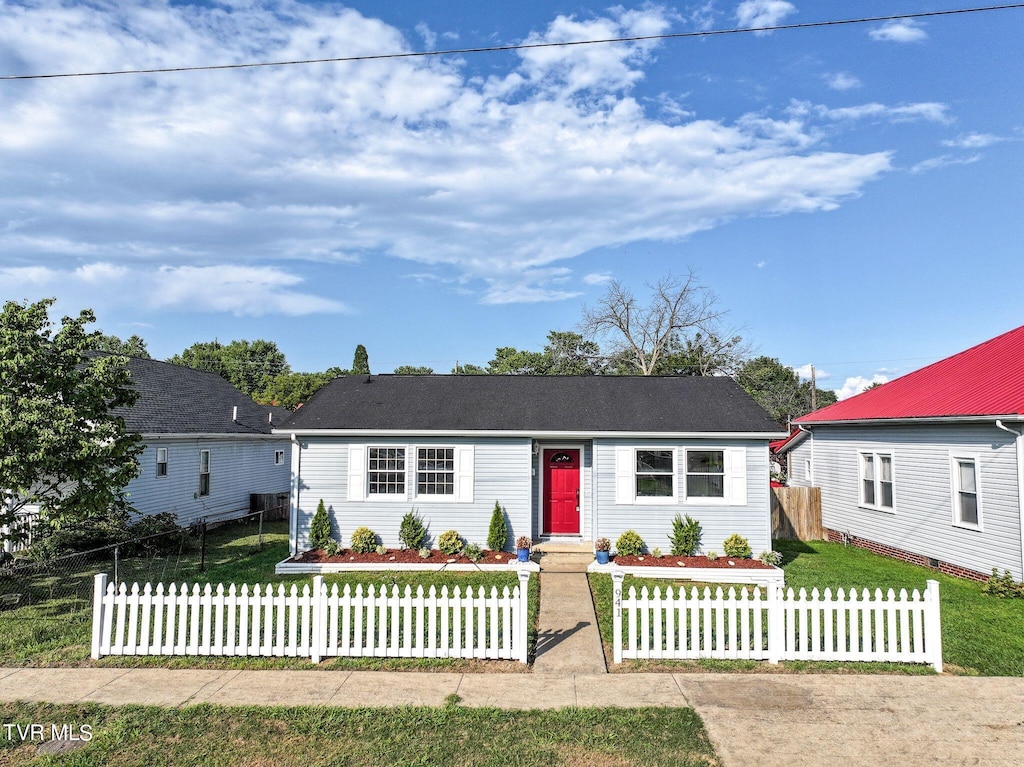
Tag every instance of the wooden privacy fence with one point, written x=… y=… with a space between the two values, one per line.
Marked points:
x=796 y=513
x=317 y=621
x=778 y=626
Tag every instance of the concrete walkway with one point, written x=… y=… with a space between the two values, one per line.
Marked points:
x=568 y=641
x=763 y=719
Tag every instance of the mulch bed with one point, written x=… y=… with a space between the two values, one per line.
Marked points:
x=669 y=561
x=400 y=556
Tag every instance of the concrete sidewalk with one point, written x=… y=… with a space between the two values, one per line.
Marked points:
x=764 y=719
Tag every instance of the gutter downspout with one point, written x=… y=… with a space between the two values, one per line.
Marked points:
x=1020 y=482
x=293 y=512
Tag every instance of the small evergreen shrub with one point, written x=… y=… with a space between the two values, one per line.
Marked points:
x=450 y=543
x=630 y=544
x=364 y=540
x=425 y=553
x=412 y=532
x=685 y=538
x=473 y=552
x=497 y=534
x=656 y=552
x=771 y=557
x=332 y=548
x=737 y=546
x=382 y=549
x=1003 y=585
x=712 y=555
x=320 y=527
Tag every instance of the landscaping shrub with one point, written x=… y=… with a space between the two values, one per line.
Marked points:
x=333 y=548
x=737 y=546
x=771 y=557
x=630 y=544
x=412 y=532
x=685 y=538
x=424 y=553
x=450 y=543
x=1003 y=585
x=382 y=549
x=364 y=540
x=497 y=535
x=473 y=552
x=320 y=527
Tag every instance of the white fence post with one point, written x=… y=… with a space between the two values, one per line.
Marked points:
x=318 y=608
x=522 y=650
x=775 y=629
x=617 y=578
x=933 y=626
x=99 y=622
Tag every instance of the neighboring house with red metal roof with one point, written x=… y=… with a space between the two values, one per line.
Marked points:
x=928 y=467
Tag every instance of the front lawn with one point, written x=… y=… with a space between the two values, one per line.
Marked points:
x=49 y=634
x=449 y=735
x=981 y=635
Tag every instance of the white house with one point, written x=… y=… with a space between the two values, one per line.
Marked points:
x=929 y=467
x=573 y=457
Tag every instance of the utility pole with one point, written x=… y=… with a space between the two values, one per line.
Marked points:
x=814 y=391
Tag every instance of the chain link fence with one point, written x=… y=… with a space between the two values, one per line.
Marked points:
x=60 y=587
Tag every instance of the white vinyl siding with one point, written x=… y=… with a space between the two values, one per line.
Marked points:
x=924 y=522
x=488 y=470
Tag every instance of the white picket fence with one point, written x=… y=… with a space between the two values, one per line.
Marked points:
x=318 y=621
x=779 y=625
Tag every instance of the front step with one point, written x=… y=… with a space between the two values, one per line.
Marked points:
x=565 y=562
x=565 y=547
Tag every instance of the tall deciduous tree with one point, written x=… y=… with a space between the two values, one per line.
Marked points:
x=413 y=370
x=639 y=336
x=361 y=361
x=778 y=389
x=62 y=448
x=135 y=346
x=289 y=390
x=248 y=365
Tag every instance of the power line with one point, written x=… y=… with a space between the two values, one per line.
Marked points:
x=521 y=46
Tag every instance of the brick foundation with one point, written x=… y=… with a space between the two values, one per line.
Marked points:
x=905 y=556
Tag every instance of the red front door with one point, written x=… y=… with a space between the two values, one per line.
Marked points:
x=562 y=492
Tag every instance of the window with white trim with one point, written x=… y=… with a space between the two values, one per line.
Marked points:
x=655 y=474
x=204 y=472
x=876 y=481
x=161 y=461
x=386 y=471
x=278 y=457
x=966 y=508
x=435 y=471
x=808 y=474
x=705 y=474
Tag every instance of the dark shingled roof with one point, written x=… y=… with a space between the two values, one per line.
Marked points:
x=581 y=404
x=174 y=399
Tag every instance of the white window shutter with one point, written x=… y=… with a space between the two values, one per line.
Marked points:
x=464 y=456
x=357 y=472
x=736 y=475
x=625 y=468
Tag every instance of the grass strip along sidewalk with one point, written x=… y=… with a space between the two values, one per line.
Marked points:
x=981 y=634
x=449 y=735
x=28 y=638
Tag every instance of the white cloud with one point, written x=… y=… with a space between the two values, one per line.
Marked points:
x=856 y=384
x=761 y=264
x=929 y=111
x=598 y=278
x=899 y=31
x=752 y=14
x=943 y=161
x=842 y=81
x=974 y=141
x=804 y=371
x=491 y=181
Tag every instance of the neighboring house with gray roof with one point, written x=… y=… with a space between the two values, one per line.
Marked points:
x=207 y=445
x=567 y=457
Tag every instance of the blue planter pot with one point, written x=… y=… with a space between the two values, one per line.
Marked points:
x=523 y=555
x=602 y=557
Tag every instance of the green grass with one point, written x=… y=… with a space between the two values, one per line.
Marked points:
x=981 y=635
x=448 y=735
x=57 y=633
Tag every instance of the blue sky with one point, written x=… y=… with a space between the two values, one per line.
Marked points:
x=852 y=194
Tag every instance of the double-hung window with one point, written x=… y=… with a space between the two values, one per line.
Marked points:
x=278 y=457
x=435 y=471
x=161 y=461
x=386 y=471
x=204 y=472
x=876 y=482
x=655 y=474
x=705 y=474
x=966 y=508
